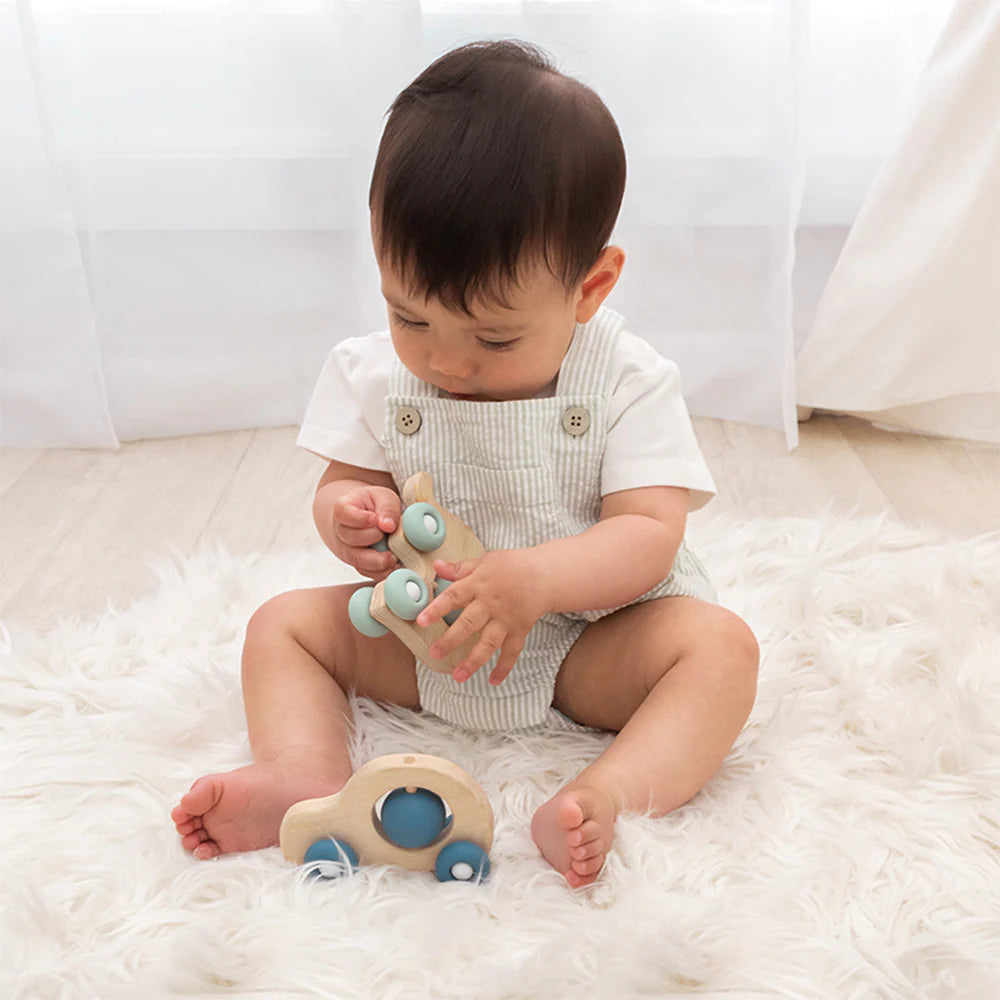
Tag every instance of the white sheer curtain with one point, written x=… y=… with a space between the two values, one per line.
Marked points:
x=183 y=232
x=907 y=332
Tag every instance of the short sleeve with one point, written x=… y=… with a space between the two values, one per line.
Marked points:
x=650 y=438
x=345 y=415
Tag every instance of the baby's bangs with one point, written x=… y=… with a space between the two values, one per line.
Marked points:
x=459 y=273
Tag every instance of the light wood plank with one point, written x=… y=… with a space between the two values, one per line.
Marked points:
x=757 y=476
x=102 y=526
x=932 y=482
x=46 y=502
x=267 y=504
x=985 y=460
x=14 y=463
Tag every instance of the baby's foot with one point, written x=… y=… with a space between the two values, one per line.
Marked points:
x=574 y=830
x=242 y=810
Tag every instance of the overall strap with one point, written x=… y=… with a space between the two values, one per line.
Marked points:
x=586 y=369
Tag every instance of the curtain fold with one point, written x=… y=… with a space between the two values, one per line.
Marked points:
x=907 y=333
x=52 y=390
x=183 y=224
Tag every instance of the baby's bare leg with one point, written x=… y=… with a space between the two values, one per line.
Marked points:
x=300 y=657
x=676 y=678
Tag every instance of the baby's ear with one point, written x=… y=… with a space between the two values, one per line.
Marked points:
x=600 y=279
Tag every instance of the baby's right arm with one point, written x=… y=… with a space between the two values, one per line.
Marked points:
x=353 y=508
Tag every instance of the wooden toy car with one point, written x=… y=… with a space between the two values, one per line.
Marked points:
x=413 y=810
x=426 y=531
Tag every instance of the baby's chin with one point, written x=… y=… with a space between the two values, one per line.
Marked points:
x=497 y=397
x=474 y=397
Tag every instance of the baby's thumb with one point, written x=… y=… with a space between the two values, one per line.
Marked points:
x=454 y=570
x=385 y=517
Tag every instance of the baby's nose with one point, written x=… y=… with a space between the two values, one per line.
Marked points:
x=449 y=364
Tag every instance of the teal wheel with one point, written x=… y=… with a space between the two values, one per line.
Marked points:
x=462 y=861
x=359 y=611
x=440 y=586
x=382 y=545
x=406 y=594
x=423 y=526
x=330 y=858
x=413 y=819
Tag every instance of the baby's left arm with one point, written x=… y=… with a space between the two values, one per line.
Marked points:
x=505 y=592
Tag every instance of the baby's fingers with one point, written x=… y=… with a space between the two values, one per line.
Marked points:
x=450 y=599
x=505 y=662
x=349 y=514
x=359 y=538
x=370 y=562
x=490 y=640
x=455 y=570
x=471 y=620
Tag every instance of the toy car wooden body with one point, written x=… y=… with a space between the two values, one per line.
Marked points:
x=412 y=810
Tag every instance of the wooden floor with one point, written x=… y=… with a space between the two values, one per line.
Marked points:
x=77 y=528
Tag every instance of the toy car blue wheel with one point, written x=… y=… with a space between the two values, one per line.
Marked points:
x=406 y=594
x=330 y=858
x=440 y=586
x=462 y=861
x=382 y=545
x=413 y=819
x=423 y=526
x=359 y=611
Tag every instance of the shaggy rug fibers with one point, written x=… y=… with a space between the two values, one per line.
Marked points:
x=847 y=848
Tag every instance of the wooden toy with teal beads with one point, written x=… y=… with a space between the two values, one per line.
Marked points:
x=426 y=531
x=412 y=810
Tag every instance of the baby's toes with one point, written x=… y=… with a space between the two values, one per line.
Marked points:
x=588 y=866
x=184 y=827
x=592 y=850
x=589 y=830
x=209 y=849
x=197 y=836
x=179 y=815
x=577 y=881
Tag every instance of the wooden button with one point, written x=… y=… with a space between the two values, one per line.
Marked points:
x=407 y=420
x=576 y=421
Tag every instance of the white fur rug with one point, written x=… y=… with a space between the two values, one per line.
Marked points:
x=849 y=847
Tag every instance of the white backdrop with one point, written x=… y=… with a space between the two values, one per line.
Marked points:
x=183 y=231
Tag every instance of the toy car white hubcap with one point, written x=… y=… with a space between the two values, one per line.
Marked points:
x=462 y=871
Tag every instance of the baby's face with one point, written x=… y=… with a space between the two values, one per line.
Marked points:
x=497 y=353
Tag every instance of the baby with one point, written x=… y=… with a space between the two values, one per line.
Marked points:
x=558 y=436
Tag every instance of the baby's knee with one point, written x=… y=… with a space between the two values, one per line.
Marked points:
x=275 y=617
x=732 y=647
x=737 y=637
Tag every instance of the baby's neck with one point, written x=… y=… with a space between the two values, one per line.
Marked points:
x=548 y=390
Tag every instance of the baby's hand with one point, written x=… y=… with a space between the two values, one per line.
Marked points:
x=501 y=596
x=362 y=517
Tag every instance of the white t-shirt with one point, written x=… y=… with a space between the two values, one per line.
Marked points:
x=650 y=441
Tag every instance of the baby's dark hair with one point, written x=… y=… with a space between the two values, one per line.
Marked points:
x=489 y=159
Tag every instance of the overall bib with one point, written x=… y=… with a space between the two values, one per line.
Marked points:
x=519 y=473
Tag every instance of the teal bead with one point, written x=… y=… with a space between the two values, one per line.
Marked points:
x=406 y=594
x=412 y=819
x=325 y=855
x=462 y=861
x=359 y=611
x=423 y=527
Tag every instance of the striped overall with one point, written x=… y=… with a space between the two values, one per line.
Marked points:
x=519 y=473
